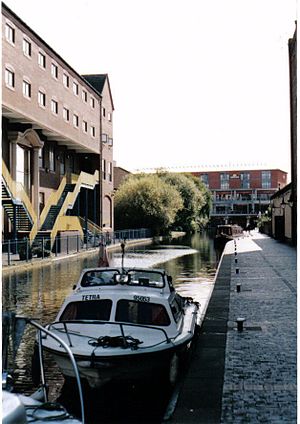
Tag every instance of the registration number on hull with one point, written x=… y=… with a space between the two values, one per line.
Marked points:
x=142 y=299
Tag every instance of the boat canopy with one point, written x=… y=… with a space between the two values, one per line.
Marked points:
x=131 y=277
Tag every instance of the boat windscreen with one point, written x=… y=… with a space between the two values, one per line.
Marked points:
x=89 y=310
x=142 y=312
x=146 y=278
x=99 y=277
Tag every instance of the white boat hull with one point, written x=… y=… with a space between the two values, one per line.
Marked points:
x=102 y=369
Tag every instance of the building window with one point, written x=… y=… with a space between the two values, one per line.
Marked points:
x=26 y=89
x=92 y=102
x=41 y=201
x=66 y=80
x=54 y=106
x=224 y=181
x=9 y=78
x=109 y=116
x=110 y=171
x=265 y=179
x=62 y=164
x=75 y=88
x=51 y=158
x=26 y=47
x=103 y=112
x=93 y=131
x=84 y=96
x=54 y=70
x=42 y=60
x=84 y=126
x=104 y=138
x=66 y=114
x=41 y=158
x=110 y=142
x=204 y=179
x=245 y=180
x=10 y=33
x=42 y=98
x=75 y=120
x=104 y=169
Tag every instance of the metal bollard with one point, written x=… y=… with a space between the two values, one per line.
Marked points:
x=240 y=323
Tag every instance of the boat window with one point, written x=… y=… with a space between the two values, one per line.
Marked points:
x=89 y=309
x=99 y=277
x=142 y=313
x=176 y=307
x=146 y=278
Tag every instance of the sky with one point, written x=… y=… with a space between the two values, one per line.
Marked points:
x=196 y=84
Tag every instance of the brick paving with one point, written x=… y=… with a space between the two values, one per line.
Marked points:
x=260 y=365
x=246 y=376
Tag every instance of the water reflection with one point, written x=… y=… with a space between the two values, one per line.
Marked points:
x=39 y=292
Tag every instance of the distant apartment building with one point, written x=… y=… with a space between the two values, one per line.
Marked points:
x=57 y=140
x=241 y=196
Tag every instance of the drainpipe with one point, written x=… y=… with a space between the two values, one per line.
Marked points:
x=86 y=213
x=100 y=168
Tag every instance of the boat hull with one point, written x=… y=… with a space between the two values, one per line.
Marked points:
x=99 y=370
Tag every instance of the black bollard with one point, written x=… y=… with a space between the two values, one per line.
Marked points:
x=240 y=323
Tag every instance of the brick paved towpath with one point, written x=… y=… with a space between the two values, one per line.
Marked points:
x=246 y=376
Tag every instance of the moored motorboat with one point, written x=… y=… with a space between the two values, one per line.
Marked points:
x=123 y=323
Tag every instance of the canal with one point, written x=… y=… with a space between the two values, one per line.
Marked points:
x=38 y=293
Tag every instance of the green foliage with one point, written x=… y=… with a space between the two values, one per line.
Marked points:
x=162 y=201
x=193 y=200
x=265 y=218
x=204 y=211
x=145 y=201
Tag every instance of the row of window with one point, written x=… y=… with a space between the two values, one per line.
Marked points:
x=42 y=101
x=244 y=180
x=107 y=167
x=239 y=196
x=42 y=62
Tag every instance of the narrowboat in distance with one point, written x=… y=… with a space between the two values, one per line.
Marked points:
x=226 y=233
x=123 y=323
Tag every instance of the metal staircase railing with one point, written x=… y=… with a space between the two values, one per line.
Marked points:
x=52 y=218
x=82 y=180
x=91 y=226
x=15 y=196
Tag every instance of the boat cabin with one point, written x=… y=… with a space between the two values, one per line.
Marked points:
x=135 y=296
x=229 y=230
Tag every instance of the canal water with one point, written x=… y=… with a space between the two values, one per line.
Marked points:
x=39 y=293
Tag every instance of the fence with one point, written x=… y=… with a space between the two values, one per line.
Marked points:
x=20 y=249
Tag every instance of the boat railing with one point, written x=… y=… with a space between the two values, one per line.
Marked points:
x=101 y=322
x=11 y=320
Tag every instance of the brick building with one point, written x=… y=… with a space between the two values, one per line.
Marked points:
x=241 y=196
x=57 y=140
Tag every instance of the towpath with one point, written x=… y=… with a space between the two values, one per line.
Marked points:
x=246 y=376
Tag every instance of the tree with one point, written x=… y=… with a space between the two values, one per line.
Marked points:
x=204 y=211
x=195 y=198
x=146 y=201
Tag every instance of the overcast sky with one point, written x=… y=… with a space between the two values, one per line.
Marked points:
x=195 y=83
